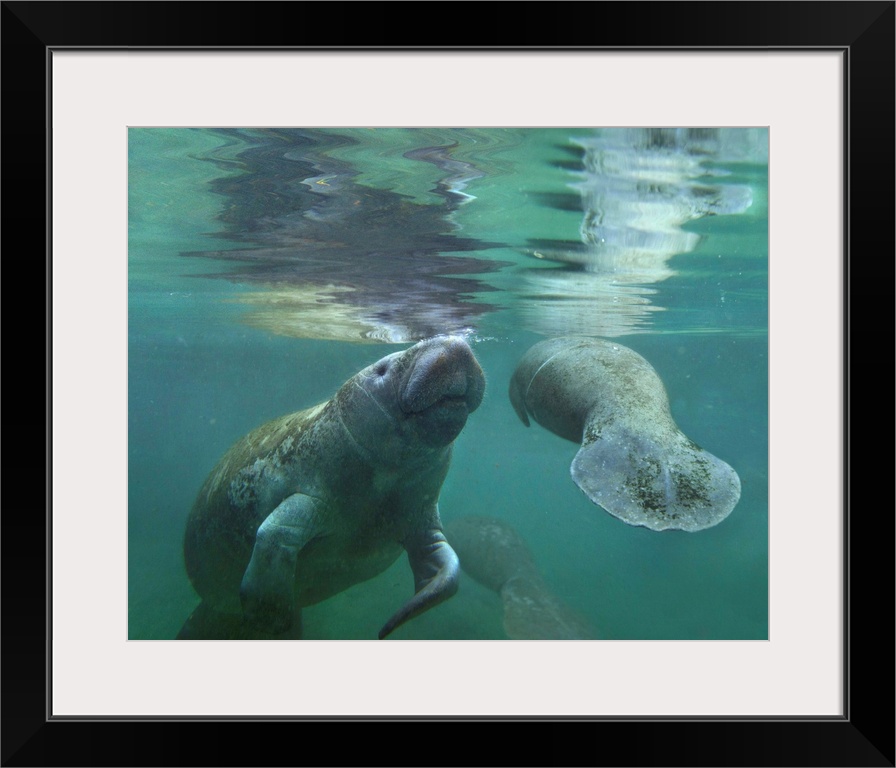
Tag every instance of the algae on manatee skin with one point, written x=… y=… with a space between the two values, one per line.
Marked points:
x=643 y=485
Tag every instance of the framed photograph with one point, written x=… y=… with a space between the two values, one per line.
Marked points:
x=444 y=383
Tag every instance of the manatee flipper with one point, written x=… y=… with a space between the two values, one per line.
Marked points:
x=518 y=400
x=435 y=567
x=657 y=483
x=267 y=591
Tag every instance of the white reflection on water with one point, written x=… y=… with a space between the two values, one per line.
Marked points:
x=638 y=187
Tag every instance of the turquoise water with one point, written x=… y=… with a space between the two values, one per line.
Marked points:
x=266 y=267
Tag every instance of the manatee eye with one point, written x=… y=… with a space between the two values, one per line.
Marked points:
x=381 y=368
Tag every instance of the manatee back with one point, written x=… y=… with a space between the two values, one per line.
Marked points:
x=566 y=382
x=489 y=550
x=496 y=556
x=533 y=612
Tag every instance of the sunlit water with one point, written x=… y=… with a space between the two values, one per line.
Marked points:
x=267 y=267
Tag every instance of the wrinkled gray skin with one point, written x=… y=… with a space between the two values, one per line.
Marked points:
x=634 y=461
x=496 y=556
x=309 y=504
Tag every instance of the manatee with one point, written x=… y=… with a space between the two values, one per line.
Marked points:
x=634 y=461
x=495 y=555
x=309 y=504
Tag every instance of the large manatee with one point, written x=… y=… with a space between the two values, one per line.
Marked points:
x=309 y=504
x=496 y=556
x=634 y=461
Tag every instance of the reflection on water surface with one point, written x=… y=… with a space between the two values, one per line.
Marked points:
x=332 y=251
x=339 y=259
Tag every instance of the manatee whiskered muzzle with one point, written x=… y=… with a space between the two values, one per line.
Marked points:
x=445 y=375
x=458 y=395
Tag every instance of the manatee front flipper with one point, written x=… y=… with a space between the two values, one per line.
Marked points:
x=435 y=568
x=657 y=481
x=267 y=592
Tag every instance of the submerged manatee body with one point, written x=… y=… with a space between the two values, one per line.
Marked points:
x=496 y=556
x=634 y=461
x=309 y=504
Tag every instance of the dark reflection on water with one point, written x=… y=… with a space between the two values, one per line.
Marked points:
x=337 y=259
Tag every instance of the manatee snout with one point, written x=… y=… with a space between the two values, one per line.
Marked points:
x=442 y=387
x=444 y=372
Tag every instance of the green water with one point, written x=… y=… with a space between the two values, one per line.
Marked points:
x=354 y=243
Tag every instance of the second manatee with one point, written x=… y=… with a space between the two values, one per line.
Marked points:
x=634 y=461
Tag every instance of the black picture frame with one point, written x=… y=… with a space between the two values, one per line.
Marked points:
x=863 y=31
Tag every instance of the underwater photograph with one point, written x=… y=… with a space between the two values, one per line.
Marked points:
x=448 y=383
